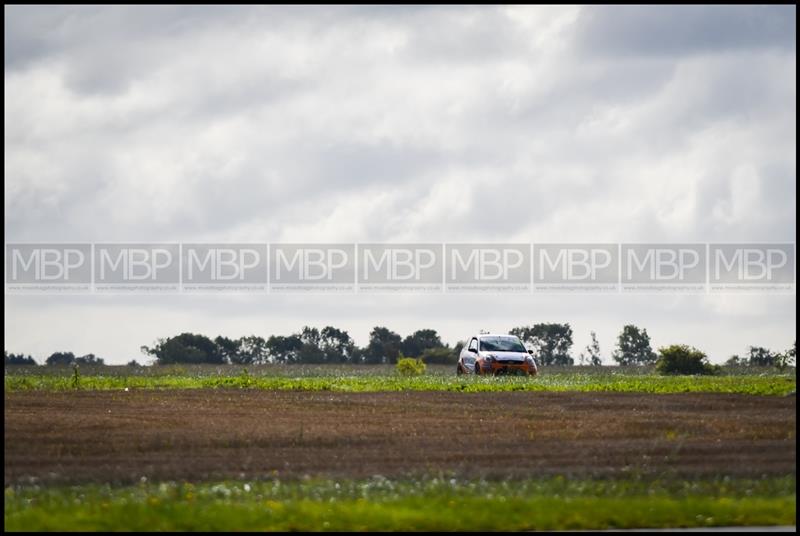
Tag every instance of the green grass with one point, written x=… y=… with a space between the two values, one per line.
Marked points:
x=424 y=504
x=297 y=370
x=754 y=384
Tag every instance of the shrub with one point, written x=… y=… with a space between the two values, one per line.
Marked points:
x=441 y=355
x=408 y=366
x=683 y=359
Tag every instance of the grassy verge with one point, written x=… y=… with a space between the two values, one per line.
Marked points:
x=425 y=504
x=754 y=385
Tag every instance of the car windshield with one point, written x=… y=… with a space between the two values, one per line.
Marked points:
x=501 y=344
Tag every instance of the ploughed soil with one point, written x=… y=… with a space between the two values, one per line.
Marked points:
x=120 y=437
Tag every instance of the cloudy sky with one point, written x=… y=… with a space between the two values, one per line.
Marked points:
x=399 y=124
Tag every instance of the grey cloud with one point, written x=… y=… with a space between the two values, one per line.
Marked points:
x=36 y=32
x=473 y=35
x=397 y=123
x=671 y=30
x=106 y=49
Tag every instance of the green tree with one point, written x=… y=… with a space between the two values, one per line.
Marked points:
x=761 y=357
x=89 y=359
x=551 y=342
x=60 y=358
x=227 y=348
x=358 y=354
x=336 y=344
x=310 y=350
x=384 y=346
x=633 y=347
x=591 y=356
x=185 y=348
x=419 y=341
x=787 y=358
x=19 y=359
x=250 y=350
x=735 y=361
x=683 y=359
x=284 y=349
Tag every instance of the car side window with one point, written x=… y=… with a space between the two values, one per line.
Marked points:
x=473 y=344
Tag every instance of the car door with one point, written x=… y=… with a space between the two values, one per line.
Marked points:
x=468 y=356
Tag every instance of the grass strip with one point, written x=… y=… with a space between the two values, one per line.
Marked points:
x=752 y=385
x=410 y=505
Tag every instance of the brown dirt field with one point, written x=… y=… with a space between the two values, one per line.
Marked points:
x=106 y=436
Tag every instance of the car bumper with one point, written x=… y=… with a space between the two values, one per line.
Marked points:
x=506 y=368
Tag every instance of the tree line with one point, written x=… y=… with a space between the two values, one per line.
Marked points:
x=551 y=343
x=56 y=358
x=310 y=345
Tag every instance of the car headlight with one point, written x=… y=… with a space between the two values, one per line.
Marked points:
x=530 y=361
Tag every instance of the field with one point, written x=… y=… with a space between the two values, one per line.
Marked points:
x=343 y=448
x=381 y=378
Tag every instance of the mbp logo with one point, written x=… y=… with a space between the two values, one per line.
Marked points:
x=48 y=267
x=400 y=267
x=663 y=266
x=221 y=267
x=488 y=266
x=130 y=267
x=312 y=266
x=743 y=266
x=576 y=266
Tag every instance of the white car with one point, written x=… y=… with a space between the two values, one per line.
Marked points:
x=490 y=353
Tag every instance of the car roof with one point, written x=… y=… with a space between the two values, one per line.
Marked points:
x=481 y=335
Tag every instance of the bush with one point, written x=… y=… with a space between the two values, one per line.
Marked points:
x=441 y=355
x=683 y=359
x=408 y=366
